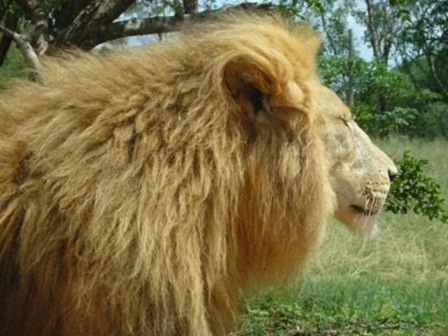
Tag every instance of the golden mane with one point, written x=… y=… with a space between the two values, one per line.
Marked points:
x=140 y=191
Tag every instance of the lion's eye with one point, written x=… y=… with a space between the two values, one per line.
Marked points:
x=256 y=99
x=345 y=122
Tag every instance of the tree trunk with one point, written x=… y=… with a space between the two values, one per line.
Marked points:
x=67 y=14
x=92 y=22
x=37 y=31
x=5 y=42
x=190 y=6
x=327 y=34
x=350 y=92
x=371 y=26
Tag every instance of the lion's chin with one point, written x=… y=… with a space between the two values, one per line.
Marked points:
x=360 y=224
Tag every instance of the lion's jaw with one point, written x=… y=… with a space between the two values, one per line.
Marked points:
x=360 y=172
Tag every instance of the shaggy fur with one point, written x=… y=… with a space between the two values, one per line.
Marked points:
x=141 y=191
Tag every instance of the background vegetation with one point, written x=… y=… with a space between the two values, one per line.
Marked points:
x=396 y=284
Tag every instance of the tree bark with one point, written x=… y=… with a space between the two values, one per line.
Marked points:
x=350 y=89
x=435 y=76
x=38 y=29
x=93 y=20
x=86 y=36
x=427 y=50
x=376 y=46
x=190 y=6
x=67 y=14
x=87 y=23
x=133 y=27
x=371 y=28
x=327 y=33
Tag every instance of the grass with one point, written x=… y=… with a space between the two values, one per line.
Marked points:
x=394 y=284
x=13 y=67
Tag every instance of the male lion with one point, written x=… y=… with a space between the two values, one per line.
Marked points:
x=142 y=191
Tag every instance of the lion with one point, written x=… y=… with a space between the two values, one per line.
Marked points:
x=144 y=191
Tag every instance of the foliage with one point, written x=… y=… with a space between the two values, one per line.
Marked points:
x=400 y=120
x=369 y=78
x=433 y=121
x=410 y=110
x=423 y=44
x=403 y=89
x=382 y=21
x=413 y=190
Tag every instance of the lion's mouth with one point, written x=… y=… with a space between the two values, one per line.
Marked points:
x=362 y=211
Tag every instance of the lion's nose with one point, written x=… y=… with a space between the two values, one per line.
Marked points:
x=392 y=172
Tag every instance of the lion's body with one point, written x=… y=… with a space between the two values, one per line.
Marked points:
x=137 y=199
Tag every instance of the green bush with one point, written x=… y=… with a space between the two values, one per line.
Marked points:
x=409 y=110
x=400 y=120
x=412 y=190
x=433 y=121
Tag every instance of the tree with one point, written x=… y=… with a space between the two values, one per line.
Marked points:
x=383 y=23
x=330 y=17
x=424 y=47
x=51 y=24
x=332 y=21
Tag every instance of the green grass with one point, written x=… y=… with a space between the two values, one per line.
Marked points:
x=350 y=307
x=13 y=67
x=394 y=284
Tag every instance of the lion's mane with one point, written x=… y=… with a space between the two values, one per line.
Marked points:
x=139 y=197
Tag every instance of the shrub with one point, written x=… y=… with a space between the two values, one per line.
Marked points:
x=433 y=121
x=413 y=190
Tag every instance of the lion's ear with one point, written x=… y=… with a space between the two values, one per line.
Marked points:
x=249 y=80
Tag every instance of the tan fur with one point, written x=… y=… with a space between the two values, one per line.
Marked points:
x=140 y=192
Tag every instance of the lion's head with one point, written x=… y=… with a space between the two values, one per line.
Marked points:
x=360 y=173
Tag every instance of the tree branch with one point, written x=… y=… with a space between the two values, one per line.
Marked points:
x=65 y=16
x=371 y=28
x=4 y=6
x=71 y=35
x=96 y=16
x=432 y=68
x=159 y=25
x=148 y=26
x=190 y=6
x=28 y=52
x=38 y=29
x=327 y=33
